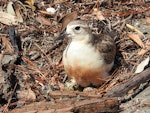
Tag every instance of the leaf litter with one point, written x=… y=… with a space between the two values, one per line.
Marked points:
x=38 y=67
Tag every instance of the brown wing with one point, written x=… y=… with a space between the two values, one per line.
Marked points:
x=106 y=46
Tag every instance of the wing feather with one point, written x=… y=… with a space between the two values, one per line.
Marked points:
x=106 y=47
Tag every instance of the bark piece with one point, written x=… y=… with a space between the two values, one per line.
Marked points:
x=72 y=105
x=122 y=89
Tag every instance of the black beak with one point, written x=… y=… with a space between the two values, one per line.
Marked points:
x=61 y=36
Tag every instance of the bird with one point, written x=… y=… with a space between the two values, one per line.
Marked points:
x=88 y=57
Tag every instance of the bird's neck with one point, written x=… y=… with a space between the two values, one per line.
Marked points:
x=83 y=38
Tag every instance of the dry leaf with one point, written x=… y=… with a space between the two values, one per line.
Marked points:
x=27 y=95
x=19 y=16
x=31 y=4
x=136 y=38
x=98 y=14
x=148 y=20
x=142 y=65
x=8 y=19
x=15 y=12
x=43 y=20
x=10 y=9
x=9 y=59
x=68 y=18
x=8 y=49
x=144 y=50
x=135 y=29
x=148 y=46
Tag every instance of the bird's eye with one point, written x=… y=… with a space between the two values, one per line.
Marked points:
x=77 y=28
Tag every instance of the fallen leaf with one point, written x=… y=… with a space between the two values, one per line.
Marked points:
x=8 y=49
x=43 y=20
x=135 y=29
x=142 y=65
x=15 y=12
x=10 y=9
x=8 y=19
x=148 y=46
x=98 y=14
x=67 y=18
x=148 y=20
x=136 y=39
x=144 y=50
x=31 y=4
x=19 y=16
x=27 y=95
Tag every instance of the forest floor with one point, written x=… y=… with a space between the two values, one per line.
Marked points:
x=32 y=77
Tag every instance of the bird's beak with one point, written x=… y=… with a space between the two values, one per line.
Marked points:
x=61 y=36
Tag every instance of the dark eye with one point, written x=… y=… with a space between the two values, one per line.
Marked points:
x=77 y=28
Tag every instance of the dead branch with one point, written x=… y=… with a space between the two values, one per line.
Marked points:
x=122 y=89
x=69 y=106
x=74 y=94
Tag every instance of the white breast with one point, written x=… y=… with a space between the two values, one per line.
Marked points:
x=82 y=54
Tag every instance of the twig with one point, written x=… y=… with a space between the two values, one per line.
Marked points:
x=49 y=59
x=9 y=100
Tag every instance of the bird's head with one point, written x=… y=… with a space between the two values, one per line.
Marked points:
x=77 y=30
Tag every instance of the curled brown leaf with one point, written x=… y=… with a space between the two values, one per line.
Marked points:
x=136 y=38
x=68 y=18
